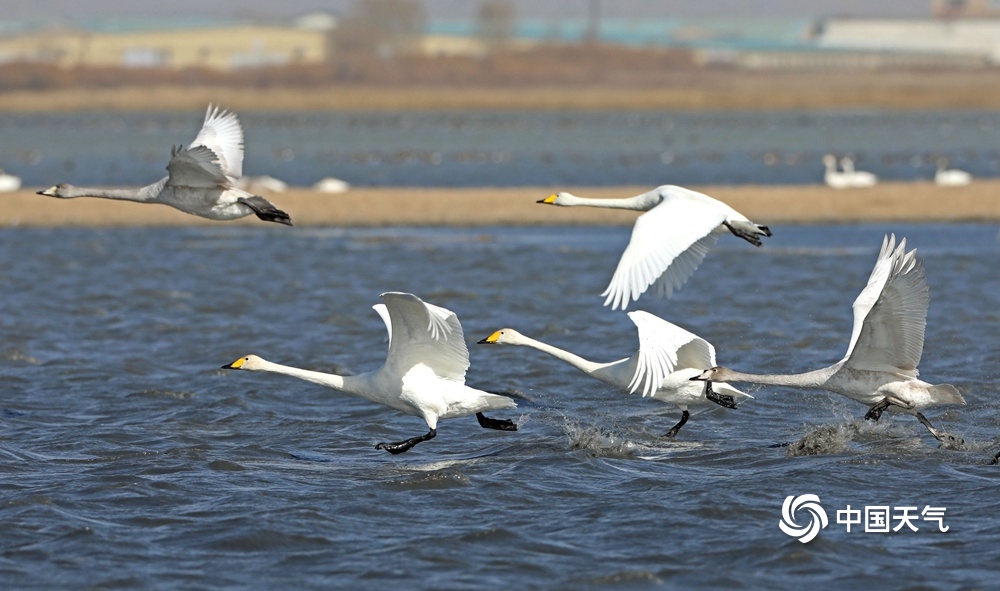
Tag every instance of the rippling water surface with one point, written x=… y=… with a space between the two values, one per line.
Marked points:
x=129 y=460
x=512 y=148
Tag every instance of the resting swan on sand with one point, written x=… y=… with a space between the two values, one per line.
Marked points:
x=880 y=367
x=202 y=179
x=662 y=368
x=423 y=374
x=669 y=241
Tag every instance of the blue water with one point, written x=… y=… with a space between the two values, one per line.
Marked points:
x=129 y=460
x=478 y=148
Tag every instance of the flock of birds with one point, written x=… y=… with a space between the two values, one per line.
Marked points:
x=849 y=178
x=424 y=371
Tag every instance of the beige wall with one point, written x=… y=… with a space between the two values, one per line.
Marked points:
x=216 y=48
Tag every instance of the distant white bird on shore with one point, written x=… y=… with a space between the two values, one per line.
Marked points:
x=669 y=241
x=887 y=341
x=423 y=374
x=950 y=177
x=858 y=178
x=331 y=185
x=9 y=182
x=201 y=179
x=663 y=367
x=262 y=183
x=833 y=177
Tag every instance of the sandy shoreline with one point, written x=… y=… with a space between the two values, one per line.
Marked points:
x=901 y=202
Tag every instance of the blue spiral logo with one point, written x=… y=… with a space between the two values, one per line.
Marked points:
x=817 y=517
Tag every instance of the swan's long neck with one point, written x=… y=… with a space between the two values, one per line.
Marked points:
x=810 y=379
x=642 y=202
x=147 y=193
x=588 y=367
x=329 y=380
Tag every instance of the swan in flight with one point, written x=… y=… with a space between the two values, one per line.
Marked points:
x=858 y=178
x=662 y=368
x=880 y=367
x=950 y=177
x=423 y=374
x=202 y=180
x=669 y=241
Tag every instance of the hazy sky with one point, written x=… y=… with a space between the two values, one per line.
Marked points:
x=549 y=9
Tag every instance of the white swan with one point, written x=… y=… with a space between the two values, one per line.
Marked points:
x=662 y=368
x=880 y=367
x=423 y=374
x=9 y=182
x=833 y=177
x=858 y=178
x=950 y=177
x=669 y=241
x=201 y=180
x=331 y=185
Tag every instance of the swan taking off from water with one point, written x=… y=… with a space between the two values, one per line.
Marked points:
x=669 y=241
x=950 y=177
x=880 y=368
x=202 y=179
x=423 y=374
x=663 y=367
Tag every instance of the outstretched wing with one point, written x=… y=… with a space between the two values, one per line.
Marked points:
x=422 y=333
x=667 y=245
x=890 y=314
x=195 y=167
x=221 y=133
x=383 y=313
x=663 y=349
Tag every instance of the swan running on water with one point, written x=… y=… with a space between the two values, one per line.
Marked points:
x=880 y=367
x=423 y=374
x=202 y=179
x=662 y=368
x=669 y=241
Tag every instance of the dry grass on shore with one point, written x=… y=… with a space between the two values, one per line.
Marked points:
x=888 y=202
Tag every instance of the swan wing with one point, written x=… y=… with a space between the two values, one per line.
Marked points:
x=383 y=313
x=890 y=314
x=663 y=348
x=424 y=334
x=667 y=245
x=196 y=167
x=221 y=133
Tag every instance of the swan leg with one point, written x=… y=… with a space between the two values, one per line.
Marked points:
x=747 y=235
x=721 y=399
x=947 y=439
x=265 y=210
x=995 y=460
x=875 y=412
x=499 y=424
x=685 y=415
x=398 y=448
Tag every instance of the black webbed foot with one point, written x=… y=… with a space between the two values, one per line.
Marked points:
x=685 y=415
x=875 y=412
x=499 y=424
x=400 y=447
x=995 y=460
x=266 y=210
x=750 y=237
x=721 y=399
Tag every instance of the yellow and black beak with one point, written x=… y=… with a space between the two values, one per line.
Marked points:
x=490 y=340
x=236 y=364
x=50 y=192
x=549 y=200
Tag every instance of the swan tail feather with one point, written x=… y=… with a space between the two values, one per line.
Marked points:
x=946 y=394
